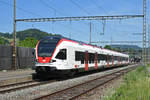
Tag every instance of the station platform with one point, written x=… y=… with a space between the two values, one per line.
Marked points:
x=11 y=77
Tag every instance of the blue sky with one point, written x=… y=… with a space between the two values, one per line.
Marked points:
x=115 y=30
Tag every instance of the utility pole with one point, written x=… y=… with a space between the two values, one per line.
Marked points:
x=90 y=33
x=14 y=41
x=144 y=33
x=149 y=43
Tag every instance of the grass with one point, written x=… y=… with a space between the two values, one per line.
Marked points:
x=136 y=86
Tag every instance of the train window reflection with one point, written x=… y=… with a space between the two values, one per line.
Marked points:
x=46 y=49
x=62 y=54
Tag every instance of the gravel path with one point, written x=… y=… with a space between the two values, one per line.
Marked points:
x=103 y=91
x=7 y=74
x=30 y=93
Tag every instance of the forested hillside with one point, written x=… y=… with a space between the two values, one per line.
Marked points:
x=25 y=38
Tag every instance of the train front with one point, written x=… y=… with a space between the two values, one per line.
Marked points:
x=46 y=62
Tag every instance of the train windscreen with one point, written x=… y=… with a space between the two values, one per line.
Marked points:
x=46 y=47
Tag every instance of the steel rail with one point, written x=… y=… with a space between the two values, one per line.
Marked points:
x=14 y=84
x=77 y=96
x=27 y=85
x=60 y=92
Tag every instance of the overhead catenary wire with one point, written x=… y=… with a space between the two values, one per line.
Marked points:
x=57 y=11
x=100 y=8
x=103 y=21
x=50 y=7
x=65 y=26
x=81 y=18
x=19 y=8
x=119 y=42
x=68 y=27
x=76 y=4
x=32 y=13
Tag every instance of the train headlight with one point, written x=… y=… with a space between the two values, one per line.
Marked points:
x=51 y=61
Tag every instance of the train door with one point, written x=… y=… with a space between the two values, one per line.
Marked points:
x=112 y=60
x=86 y=60
x=96 y=60
x=121 y=60
x=118 y=60
x=107 y=60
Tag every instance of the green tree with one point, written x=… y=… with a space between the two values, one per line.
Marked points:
x=3 y=41
x=36 y=33
x=114 y=49
x=107 y=47
x=28 y=42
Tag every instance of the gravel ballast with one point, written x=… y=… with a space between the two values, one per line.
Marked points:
x=34 y=92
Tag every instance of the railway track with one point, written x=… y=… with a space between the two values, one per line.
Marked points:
x=22 y=85
x=76 y=91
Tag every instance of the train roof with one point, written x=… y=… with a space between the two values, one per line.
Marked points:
x=59 y=37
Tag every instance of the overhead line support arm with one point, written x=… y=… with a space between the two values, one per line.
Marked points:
x=80 y=18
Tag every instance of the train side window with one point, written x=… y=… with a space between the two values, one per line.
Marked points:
x=99 y=58
x=93 y=57
x=82 y=57
x=120 y=58
x=115 y=58
x=62 y=54
x=105 y=57
x=79 y=56
x=110 y=58
x=90 y=58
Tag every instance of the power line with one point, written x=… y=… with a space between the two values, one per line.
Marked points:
x=103 y=21
x=19 y=8
x=118 y=42
x=50 y=7
x=93 y=1
x=68 y=27
x=71 y=28
x=80 y=18
x=76 y=4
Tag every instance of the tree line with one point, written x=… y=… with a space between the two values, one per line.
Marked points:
x=25 y=38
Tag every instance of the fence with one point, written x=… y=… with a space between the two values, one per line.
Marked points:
x=25 y=57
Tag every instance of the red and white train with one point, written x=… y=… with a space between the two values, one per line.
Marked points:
x=56 y=55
